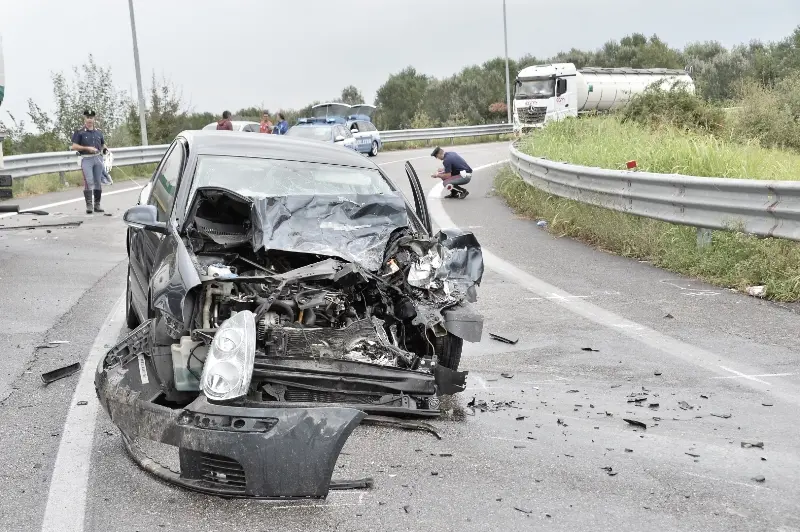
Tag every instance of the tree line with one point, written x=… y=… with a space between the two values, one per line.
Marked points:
x=408 y=99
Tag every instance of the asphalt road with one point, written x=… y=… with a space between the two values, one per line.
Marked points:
x=532 y=458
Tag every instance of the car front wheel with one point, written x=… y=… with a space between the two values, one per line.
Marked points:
x=374 y=151
x=448 y=350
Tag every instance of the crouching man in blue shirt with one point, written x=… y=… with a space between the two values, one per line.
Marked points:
x=456 y=172
x=90 y=145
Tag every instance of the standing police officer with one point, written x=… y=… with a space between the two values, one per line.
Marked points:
x=90 y=145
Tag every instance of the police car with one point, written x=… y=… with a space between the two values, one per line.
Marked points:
x=359 y=122
x=327 y=124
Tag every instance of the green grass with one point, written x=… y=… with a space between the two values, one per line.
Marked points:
x=458 y=141
x=44 y=183
x=733 y=260
x=608 y=143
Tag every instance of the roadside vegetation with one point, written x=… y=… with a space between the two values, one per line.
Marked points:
x=672 y=132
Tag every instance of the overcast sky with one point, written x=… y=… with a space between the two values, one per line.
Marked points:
x=285 y=53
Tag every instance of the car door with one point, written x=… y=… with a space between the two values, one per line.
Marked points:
x=359 y=135
x=145 y=244
x=420 y=200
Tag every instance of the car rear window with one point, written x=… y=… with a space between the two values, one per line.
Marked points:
x=256 y=178
x=311 y=132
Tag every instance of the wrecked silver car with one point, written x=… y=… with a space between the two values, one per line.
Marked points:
x=280 y=291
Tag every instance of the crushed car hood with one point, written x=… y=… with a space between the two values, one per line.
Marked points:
x=355 y=228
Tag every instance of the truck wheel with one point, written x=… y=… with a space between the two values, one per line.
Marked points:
x=448 y=350
x=131 y=319
x=374 y=151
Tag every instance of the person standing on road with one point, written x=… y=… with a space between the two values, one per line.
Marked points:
x=225 y=123
x=266 y=124
x=91 y=145
x=282 y=126
x=456 y=172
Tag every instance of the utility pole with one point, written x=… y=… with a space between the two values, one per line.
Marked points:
x=508 y=85
x=142 y=117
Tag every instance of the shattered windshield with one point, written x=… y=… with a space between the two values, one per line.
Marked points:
x=263 y=178
x=535 y=88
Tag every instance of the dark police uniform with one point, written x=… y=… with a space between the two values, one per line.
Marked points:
x=454 y=164
x=91 y=164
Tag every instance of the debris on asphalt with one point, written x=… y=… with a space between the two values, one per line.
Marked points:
x=507 y=375
x=548 y=515
x=750 y=445
x=519 y=447
x=58 y=342
x=561 y=422
x=520 y=418
x=757 y=291
x=491 y=406
x=407 y=509
x=635 y=423
x=692 y=455
x=759 y=478
x=523 y=509
x=401 y=424
x=703 y=396
x=766 y=404
x=763 y=459
x=29 y=227
x=652 y=405
x=635 y=399
x=60 y=373
x=542 y=223
x=108 y=214
x=445 y=455
x=590 y=349
x=628 y=450
x=573 y=391
x=616 y=385
x=46 y=346
x=83 y=403
x=504 y=339
x=669 y=316
x=434 y=473
x=685 y=406
x=657 y=373
x=723 y=416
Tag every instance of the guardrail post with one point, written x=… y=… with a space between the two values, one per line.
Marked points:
x=703 y=237
x=63 y=177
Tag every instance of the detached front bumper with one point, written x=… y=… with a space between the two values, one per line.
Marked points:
x=225 y=450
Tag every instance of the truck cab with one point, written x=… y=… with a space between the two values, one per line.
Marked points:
x=543 y=93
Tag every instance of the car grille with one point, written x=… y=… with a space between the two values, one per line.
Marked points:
x=300 y=395
x=532 y=115
x=221 y=471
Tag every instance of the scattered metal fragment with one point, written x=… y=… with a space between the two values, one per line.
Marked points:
x=83 y=403
x=401 y=424
x=590 y=349
x=657 y=373
x=759 y=478
x=637 y=399
x=573 y=391
x=35 y=213
x=523 y=509
x=507 y=375
x=766 y=404
x=29 y=227
x=750 y=445
x=503 y=339
x=669 y=316
x=703 y=396
x=723 y=416
x=692 y=455
x=685 y=406
x=60 y=373
x=355 y=484
x=634 y=423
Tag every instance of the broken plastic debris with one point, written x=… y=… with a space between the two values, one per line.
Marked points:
x=83 y=403
x=504 y=339
x=749 y=445
x=685 y=406
x=657 y=373
x=507 y=375
x=60 y=373
x=523 y=509
x=542 y=223
x=759 y=478
x=669 y=316
x=723 y=416
x=590 y=349
x=692 y=455
x=703 y=396
x=634 y=423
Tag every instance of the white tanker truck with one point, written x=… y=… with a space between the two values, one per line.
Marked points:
x=544 y=93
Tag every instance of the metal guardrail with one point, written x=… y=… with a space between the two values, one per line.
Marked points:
x=759 y=207
x=21 y=166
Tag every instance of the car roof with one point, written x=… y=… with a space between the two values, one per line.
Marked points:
x=281 y=147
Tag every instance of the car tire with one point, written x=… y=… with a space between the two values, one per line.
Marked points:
x=131 y=319
x=374 y=150
x=448 y=350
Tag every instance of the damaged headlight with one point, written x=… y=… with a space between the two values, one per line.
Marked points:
x=228 y=367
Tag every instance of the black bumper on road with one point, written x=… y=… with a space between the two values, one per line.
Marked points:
x=234 y=451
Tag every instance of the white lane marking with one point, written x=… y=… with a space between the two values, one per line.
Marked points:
x=555 y=296
x=67 y=202
x=673 y=347
x=764 y=375
x=404 y=160
x=66 y=501
x=742 y=375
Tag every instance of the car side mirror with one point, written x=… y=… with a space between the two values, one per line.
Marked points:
x=145 y=217
x=339 y=138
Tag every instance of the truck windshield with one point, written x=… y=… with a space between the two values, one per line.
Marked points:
x=535 y=88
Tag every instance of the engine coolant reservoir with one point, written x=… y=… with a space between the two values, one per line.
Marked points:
x=185 y=356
